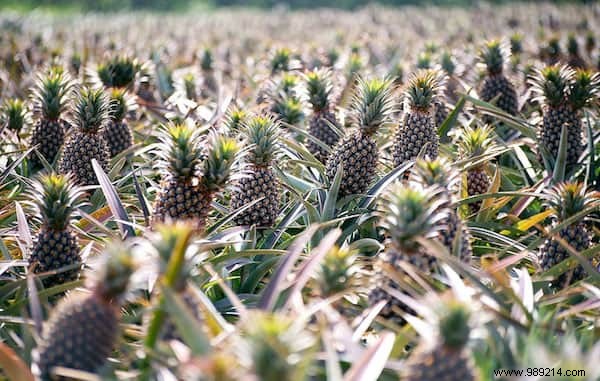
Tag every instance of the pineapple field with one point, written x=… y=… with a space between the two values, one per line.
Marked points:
x=384 y=193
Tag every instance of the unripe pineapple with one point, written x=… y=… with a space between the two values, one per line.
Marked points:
x=496 y=85
x=574 y=59
x=117 y=133
x=50 y=96
x=357 y=153
x=565 y=200
x=84 y=328
x=189 y=178
x=55 y=198
x=563 y=94
x=277 y=346
x=438 y=172
x=209 y=82
x=261 y=134
x=336 y=271
x=14 y=116
x=473 y=144
x=408 y=213
x=90 y=115
x=319 y=88
x=446 y=358
x=418 y=130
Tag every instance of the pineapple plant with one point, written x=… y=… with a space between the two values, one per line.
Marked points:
x=280 y=60
x=496 y=85
x=260 y=185
x=190 y=176
x=55 y=198
x=563 y=93
x=319 y=88
x=336 y=272
x=449 y=67
x=119 y=72
x=473 y=144
x=408 y=213
x=90 y=116
x=438 y=172
x=84 y=328
x=285 y=102
x=117 y=133
x=574 y=58
x=552 y=53
x=418 y=131
x=14 y=116
x=566 y=200
x=445 y=355
x=49 y=97
x=209 y=81
x=234 y=121
x=357 y=152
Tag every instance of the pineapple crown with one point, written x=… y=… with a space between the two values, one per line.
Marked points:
x=584 y=88
x=355 y=64
x=332 y=56
x=113 y=279
x=55 y=197
x=119 y=71
x=289 y=110
x=164 y=239
x=572 y=45
x=280 y=61
x=397 y=73
x=220 y=158
x=453 y=323
x=207 y=60
x=181 y=151
x=288 y=84
x=475 y=142
x=91 y=110
x=372 y=104
x=552 y=84
x=120 y=104
x=189 y=85
x=424 y=87
x=319 y=88
x=424 y=60
x=431 y=47
x=336 y=270
x=569 y=198
x=412 y=212
x=234 y=120
x=436 y=172
x=262 y=134
x=275 y=345
x=553 y=47
x=516 y=44
x=14 y=114
x=493 y=53
x=447 y=63
x=51 y=93
x=590 y=41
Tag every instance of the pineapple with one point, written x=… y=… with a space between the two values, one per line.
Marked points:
x=14 y=116
x=55 y=198
x=574 y=59
x=50 y=96
x=117 y=72
x=190 y=179
x=84 y=328
x=319 y=88
x=563 y=94
x=261 y=134
x=473 y=144
x=90 y=115
x=452 y=85
x=496 y=85
x=408 y=213
x=438 y=172
x=565 y=200
x=209 y=81
x=117 y=133
x=357 y=153
x=418 y=131
x=285 y=103
x=444 y=357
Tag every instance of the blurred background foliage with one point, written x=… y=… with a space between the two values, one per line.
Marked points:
x=180 y=5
